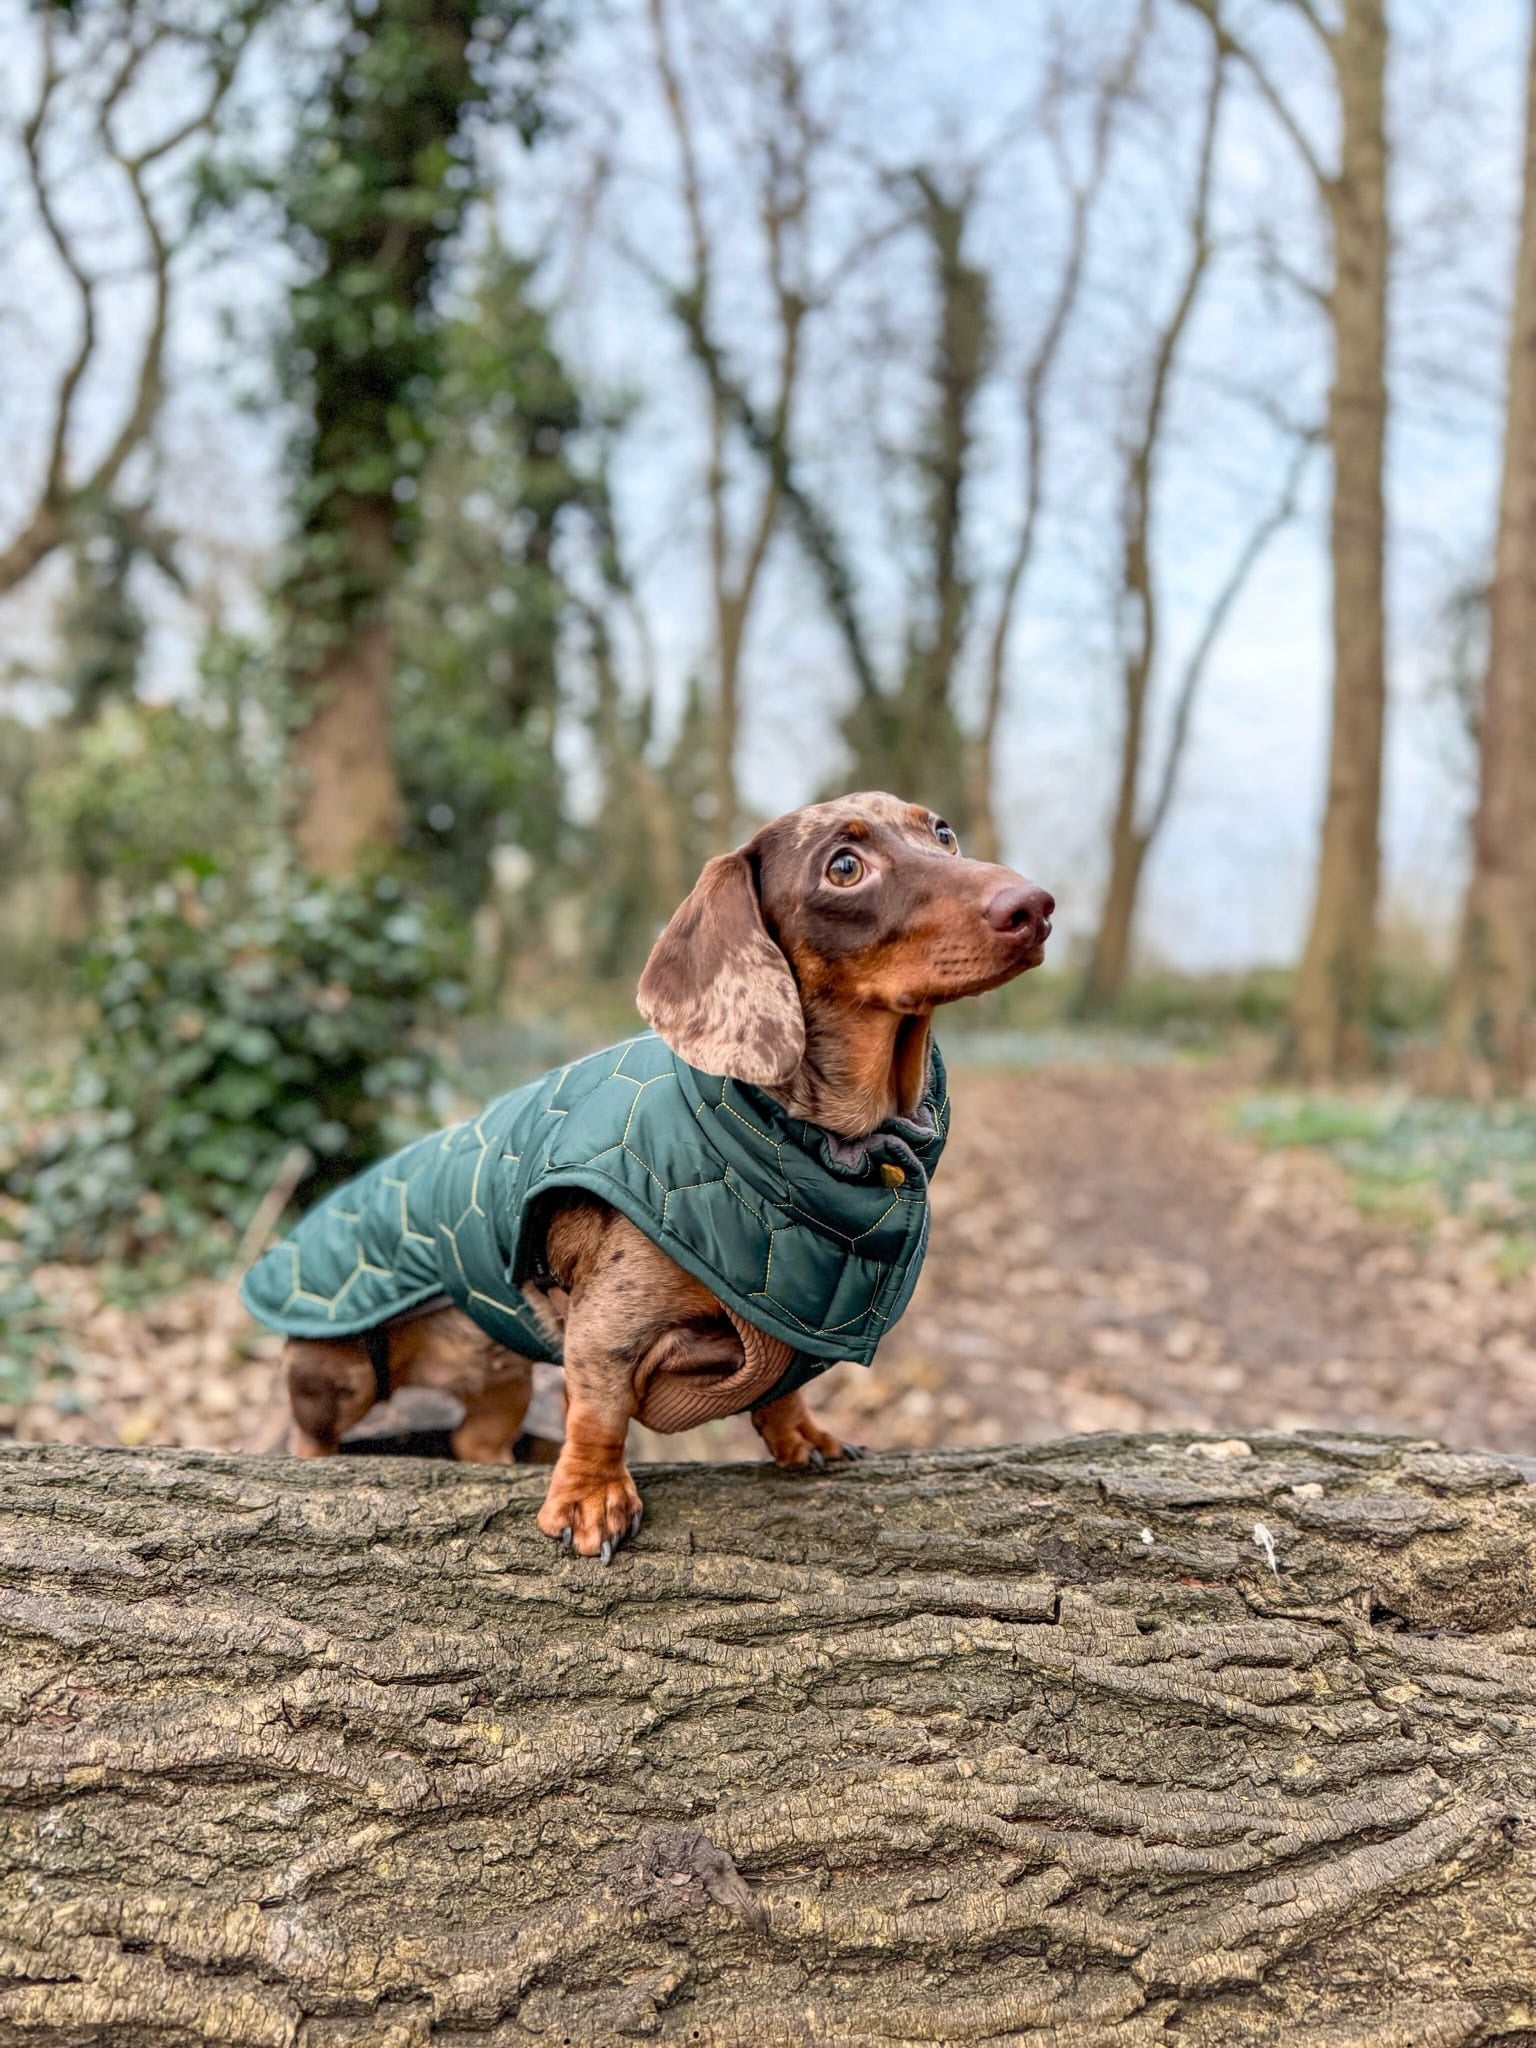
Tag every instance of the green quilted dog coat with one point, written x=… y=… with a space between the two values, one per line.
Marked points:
x=814 y=1239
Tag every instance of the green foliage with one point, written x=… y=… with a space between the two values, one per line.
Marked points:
x=100 y=621
x=228 y=1031
x=32 y=1347
x=375 y=188
x=1417 y=1157
x=512 y=485
x=22 y=748
x=1189 y=1013
x=1407 y=996
x=145 y=790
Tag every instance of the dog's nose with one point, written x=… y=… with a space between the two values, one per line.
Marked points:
x=1023 y=908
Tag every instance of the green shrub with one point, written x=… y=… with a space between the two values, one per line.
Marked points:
x=228 y=1030
x=1416 y=1156
x=145 y=790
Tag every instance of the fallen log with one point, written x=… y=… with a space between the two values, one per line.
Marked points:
x=1112 y=1741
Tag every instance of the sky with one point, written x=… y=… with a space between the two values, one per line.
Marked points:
x=1229 y=884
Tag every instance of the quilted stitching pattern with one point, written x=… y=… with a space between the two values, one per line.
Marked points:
x=820 y=1253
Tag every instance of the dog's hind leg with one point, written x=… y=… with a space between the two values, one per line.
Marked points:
x=494 y=1415
x=330 y=1386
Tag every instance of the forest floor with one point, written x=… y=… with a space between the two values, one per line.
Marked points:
x=1110 y=1251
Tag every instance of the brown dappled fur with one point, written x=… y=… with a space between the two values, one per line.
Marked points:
x=772 y=974
x=717 y=988
x=867 y=967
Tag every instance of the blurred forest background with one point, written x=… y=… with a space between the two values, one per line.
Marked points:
x=465 y=463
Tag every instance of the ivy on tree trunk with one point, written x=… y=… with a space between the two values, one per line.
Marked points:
x=380 y=180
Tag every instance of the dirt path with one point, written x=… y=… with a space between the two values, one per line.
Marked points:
x=1106 y=1255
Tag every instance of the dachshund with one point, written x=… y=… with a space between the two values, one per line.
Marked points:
x=808 y=963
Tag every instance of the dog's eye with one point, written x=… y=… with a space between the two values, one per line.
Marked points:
x=945 y=835
x=845 y=869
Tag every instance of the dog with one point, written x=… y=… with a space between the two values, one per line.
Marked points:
x=704 y=1218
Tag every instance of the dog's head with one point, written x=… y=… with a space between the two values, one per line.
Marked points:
x=829 y=938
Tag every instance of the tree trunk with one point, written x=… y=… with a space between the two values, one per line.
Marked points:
x=1330 y=1008
x=1111 y=953
x=1087 y=1745
x=348 y=792
x=909 y=739
x=1489 y=1029
x=731 y=614
x=400 y=88
x=960 y=363
x=1110 y=959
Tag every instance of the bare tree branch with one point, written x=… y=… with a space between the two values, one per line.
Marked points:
x=1309 y=12
x=1275 y=263
x=59 y=496
x=701 y=281
x=1138 y=589
x=1083 y=196
x=1230 y=45
x=1264 y=531
x=1138 y=579
x=783 y=175
x=811 y=525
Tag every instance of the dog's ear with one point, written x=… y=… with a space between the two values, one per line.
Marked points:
x=717 y=989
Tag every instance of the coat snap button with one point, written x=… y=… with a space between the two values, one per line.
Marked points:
x=893 y=1176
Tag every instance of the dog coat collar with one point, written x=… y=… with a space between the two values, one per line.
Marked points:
x=811 y=1238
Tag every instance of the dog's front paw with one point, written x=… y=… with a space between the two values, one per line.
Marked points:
x=797 y=1440
x=591 y=1512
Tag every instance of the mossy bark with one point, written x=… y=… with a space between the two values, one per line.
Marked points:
x=1031 y=1745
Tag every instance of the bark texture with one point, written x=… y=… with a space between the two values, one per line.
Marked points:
x=905 y=735
x=1330 y=1008
x=348 y=795
x=1491 y=1025
x=1040 y=1745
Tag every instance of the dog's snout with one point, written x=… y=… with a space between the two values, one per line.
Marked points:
x=1023 y=908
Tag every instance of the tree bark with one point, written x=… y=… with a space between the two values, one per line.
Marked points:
x=348 y=798
x=1109 y=962
x=936 y=749
x=1330 y=1007
x=1086 y=1745
x=1489 y=1027
x=908 y=737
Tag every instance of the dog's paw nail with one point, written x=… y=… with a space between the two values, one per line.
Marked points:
x=635 y=1520
x=567 y=1537
x=605 y=1555
x=818 y=1460
x=855 y=1451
